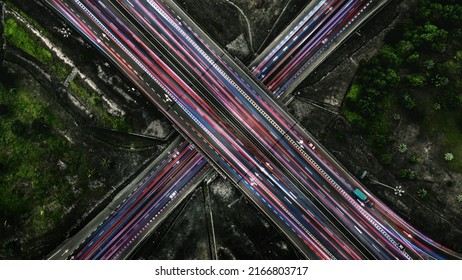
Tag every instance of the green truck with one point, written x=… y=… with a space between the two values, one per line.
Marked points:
x=362 y=198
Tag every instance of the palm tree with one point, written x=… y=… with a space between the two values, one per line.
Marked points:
x=422 y=193
x=105 y=162
x=448 y=156
x=402 y=148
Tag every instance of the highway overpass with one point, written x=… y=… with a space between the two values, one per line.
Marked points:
x=250 y=139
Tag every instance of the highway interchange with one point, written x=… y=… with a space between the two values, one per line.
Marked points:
x=243 y=132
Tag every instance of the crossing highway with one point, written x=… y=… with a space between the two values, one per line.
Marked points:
x=245 y=133
x=282 y=139
x=93 y=241
x=281 y=214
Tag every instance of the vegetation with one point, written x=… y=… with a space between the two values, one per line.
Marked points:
x=448 y=156
x=422 y=193
x=42 y=174
x=416 y=74
x=402 y=148
x=34 y=160
x=94 y=102
x=19 y=36
x=414 y=160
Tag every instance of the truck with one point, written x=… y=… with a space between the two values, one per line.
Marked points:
x=362 y=198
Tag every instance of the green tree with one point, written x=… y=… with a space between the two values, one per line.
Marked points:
x=428 y=35
x=2 y=168
x=436 y=106
x=429 y=64
x=402 y=148
x=413 y=59
x=422 y=193
x=415 y=159
x=409 y=102
x=90 y=172
x=440 y=81
x=406 y=173
x=386 y=158
x=405 y=48
x=448 y=157
x=388 y=57
x=416 y=80
x=105 y=162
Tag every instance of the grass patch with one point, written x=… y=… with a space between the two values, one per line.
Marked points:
x=31 y=148
x=447 y=125
x=94 y=101
x=353 y=93
x=19 y=36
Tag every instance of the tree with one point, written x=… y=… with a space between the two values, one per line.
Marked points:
x=440 y=81
x=416 y=80
x=422 y=193
x=39 y=126
x=428 y=35
x=96 y=100
x=414 y=159
x=105 y=163
x=388 y=57
x=413 y=59
x=436 y=106
x=406 y=173
x=405 y=47
x=90 y=172
x=409 y=102
x=428 y=64
x=448 y=156
x=386 y=158
x=18 y=128
x=402 y=148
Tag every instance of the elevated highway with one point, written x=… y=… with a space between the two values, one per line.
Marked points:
x=247 y=135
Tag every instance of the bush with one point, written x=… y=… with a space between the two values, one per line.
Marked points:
x=39 y=126
x=18 y=128
x=386 y=159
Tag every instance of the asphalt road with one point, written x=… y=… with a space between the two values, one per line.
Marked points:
x=246 y=134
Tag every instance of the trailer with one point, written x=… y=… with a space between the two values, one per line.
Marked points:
x=362 y=198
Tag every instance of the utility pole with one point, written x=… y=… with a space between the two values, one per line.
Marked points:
x=398 y=189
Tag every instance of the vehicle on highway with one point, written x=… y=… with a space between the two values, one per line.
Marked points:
x=362 y=198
